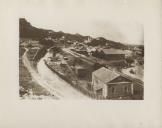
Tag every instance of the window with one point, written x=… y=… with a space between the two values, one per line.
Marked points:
x=113 y=90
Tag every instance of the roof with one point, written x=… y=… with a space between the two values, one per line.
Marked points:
x=113 y=51
x=105 y=75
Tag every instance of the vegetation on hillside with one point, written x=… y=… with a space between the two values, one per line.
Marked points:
x=28 y=31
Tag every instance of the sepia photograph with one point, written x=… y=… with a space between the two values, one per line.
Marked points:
x=103 y=62
x=80 y=64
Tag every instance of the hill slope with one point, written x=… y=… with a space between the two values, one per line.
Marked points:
x=29 y=31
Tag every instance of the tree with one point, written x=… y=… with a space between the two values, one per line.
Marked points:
x=129 y=60
x=46 y=42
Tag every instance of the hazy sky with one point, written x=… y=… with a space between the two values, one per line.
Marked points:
x=117 y=20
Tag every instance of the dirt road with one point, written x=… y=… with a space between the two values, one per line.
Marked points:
x=50 y=81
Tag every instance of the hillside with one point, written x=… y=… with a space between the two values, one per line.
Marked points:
x=29 y=31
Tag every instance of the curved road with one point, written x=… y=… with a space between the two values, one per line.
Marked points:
x=50 y=81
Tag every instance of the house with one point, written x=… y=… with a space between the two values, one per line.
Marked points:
x=109 y=54
x=80 y=71
x=91 y=50
x=109 y=84
x=113 y=54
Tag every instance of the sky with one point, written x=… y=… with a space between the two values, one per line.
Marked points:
x=117 y=20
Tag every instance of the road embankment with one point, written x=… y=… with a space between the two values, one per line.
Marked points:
x=50 y=81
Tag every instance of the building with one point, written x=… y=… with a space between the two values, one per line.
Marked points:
x=109 y=54
x=80 y=71
x=109 y=84
x=113 y=54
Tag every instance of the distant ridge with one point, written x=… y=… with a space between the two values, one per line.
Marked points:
x=29 y=31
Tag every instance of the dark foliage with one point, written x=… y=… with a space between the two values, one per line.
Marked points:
x=46 y=42
x=40 y=54
x=28 y=31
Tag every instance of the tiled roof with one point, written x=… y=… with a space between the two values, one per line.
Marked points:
x=105 y=74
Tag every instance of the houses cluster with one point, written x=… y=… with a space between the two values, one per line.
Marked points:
x=105 y=82
x=109 y=84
